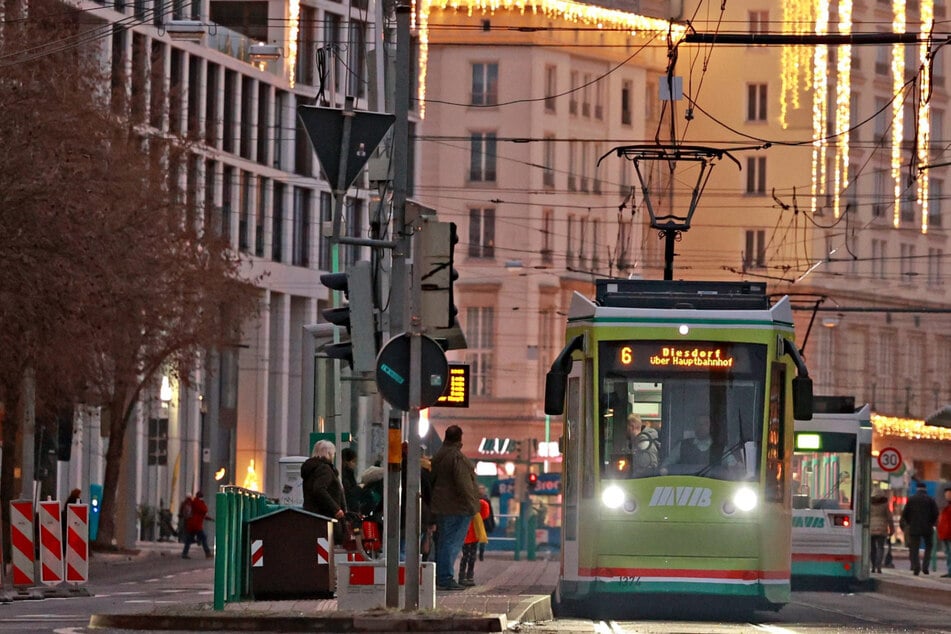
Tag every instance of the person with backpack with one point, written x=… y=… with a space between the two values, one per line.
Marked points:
x=488 y=521
x=184 y=512
x=195 y=526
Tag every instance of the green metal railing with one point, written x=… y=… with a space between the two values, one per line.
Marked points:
x=234 y=508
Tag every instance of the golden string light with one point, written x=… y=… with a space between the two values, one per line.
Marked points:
x=820 y=100
x=924 y=115
x=293 y=10
x=843 y=103
x=909 y=428
x=795 y=60
x=573 y=12
x=898 y=127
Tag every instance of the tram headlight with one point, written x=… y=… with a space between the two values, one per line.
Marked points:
x=745 y=499
x=612 y=496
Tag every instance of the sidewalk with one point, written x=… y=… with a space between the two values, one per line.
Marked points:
x=509 y=592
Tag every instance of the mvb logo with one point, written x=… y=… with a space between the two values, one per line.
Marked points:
x=808 y=522
x=681 y=496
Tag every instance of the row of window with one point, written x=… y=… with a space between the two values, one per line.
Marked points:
x=585 y=91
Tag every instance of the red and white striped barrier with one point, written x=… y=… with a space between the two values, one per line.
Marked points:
x=51 y=543
x=21 y=542
x=323 y=550
x=362 y=585
x=257 y=553
x=77 y=543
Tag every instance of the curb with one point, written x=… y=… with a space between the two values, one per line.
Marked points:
x=913 y=593
x=532 y=609
x=342 y=623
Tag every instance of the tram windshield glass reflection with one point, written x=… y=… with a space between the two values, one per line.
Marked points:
x=672 y=409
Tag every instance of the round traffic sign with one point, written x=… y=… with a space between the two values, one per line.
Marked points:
x=889 y=459
x=393 y=368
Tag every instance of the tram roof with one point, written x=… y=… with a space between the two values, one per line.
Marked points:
x=719 y=301
x=623 y=293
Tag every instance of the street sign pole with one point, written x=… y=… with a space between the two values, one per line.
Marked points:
x=398 y=321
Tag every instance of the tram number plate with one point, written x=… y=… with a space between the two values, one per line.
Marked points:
x=889 y=459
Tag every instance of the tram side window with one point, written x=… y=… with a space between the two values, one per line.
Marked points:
x=823 y=479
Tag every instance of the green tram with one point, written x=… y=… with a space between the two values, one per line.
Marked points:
x=678 y=401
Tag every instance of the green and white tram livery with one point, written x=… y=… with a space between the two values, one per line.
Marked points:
x=678 y=402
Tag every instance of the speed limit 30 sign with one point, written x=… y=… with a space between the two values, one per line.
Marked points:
x=889 y=459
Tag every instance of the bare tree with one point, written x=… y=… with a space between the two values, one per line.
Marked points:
x=108 y=277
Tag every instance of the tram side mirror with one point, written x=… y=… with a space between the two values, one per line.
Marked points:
x=802 y=398
x=555 y=385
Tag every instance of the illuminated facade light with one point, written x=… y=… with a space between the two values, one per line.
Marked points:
x=926 y=9
x=909 y=428
x=293 y=26
x=251 y=481
x=572 y=12
x=820 y=100
x=796 y=61
x=843 y=103
x=898 y=104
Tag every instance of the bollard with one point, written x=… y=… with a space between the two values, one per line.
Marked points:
x=222 y=546
x=530 y=535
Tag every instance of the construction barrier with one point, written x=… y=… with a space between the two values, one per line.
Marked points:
x=234 y=508
x=77 y=543
x=51 y=543
x=362 y=585
x=21 y=542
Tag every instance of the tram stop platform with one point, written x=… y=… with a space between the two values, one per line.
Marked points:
x=508 y=593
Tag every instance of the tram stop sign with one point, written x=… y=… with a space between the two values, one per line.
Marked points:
x=392 y=371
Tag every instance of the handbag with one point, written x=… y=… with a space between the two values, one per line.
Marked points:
x=478 y=527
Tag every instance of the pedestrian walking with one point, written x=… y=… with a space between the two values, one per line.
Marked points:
x=323 y=492
x=195 y=526
x=489 y=521
x=918 y=521
x=455 y=501
x=348 y=477
x=944 y=529
x=184 y=512
x=474 y=537
x=425 y=500
x=881 y=527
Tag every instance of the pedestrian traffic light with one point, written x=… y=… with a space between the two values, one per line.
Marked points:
x=357 y=317
x=436 y=243
x=531 y=479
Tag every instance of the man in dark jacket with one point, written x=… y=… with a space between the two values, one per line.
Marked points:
x=455 y=501
x=323 y=493
x=918 y=519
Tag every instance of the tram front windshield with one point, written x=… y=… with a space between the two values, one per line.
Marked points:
x=676 y=408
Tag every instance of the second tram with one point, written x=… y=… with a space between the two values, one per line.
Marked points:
x=832 y=481
x=678 y=402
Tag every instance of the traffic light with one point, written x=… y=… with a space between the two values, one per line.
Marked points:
x=436 y=243
x=357 y=317
x=531 y=479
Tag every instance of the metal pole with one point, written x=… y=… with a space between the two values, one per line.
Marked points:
x=398 y=309
x=669 y=235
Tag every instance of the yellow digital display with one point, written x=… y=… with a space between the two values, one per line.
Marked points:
x=728 y=358
x=681 y=356
x=457 y=387
x=809 y=442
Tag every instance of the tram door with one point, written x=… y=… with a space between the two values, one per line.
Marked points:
x=577 y=426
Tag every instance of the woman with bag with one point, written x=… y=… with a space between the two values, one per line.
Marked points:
x=474 y=537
